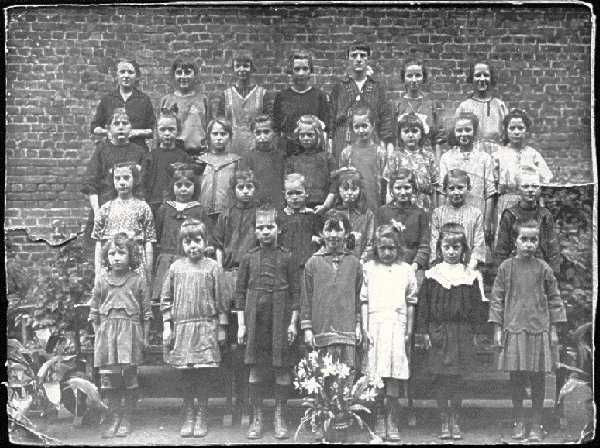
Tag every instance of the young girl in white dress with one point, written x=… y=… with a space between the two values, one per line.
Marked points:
x=389 y=292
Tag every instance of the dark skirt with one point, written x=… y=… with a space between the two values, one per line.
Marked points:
x=264 y=330
x=452 y=348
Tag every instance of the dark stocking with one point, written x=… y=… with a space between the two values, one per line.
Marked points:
x=456 y=385
x=441 y=393
x=517 y=382
x=538 y=389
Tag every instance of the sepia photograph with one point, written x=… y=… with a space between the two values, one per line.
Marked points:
x=230 y=223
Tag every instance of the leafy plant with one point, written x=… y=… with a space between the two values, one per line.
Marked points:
x=581 y=375
x=334 y=396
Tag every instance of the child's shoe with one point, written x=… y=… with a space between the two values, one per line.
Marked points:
x=380 y=426
x=187 y=430
x=281 y=429
x=456 y=432
x=393 y=435
x=256 y=428
x=113 y=425
x=519 y=430
x=124 y=427
x=201 y=424
x=445 y=428
x=535 y=434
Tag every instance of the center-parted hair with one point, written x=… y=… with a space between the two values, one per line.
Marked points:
x=456 y=174
x=411 y=120
x=413 y=61
x=395 y=234
x=316 y=125
x=453 y=231
x=403 y=174
x=136 y=173
x=224 y=122
x=514 y=113
x=123 y=241
x=471 y=73
x=334 y=219
x=191 y=228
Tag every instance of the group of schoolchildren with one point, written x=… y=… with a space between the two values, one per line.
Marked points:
x=348 y=256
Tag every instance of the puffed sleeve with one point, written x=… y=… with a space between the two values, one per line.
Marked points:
x=498 y=295
x=94 y=315
x=489 y=179
x=552 y=245
x=306 y=299
x=222 y=294
x=435 y=234
x=166 y=295
x=422 y=255
x=434 y=172
x=242 y=283
x=278 y=112
x=386 y=132
x=542 y=167
x=364 y=290
x=411 y=287
x=381 y=160
x=294 y=278
x=556 y=307
x=359 y=281
x=147 y=221
x=101 y=116
x=143 y=297
x=92 y=178
x=504 y=242
x=478 y=238
x=391 y=166
x=101 y=223
x=422 y=325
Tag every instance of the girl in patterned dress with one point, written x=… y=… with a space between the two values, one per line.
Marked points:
x=388 y=295
x=514 y=157
x=350 y=201
x=127 y=214
x=411 y=154
x=525 y=309
x=180 y=204
x=449 y=306
x=195 y=304
x=490 y=111
x=120 y=314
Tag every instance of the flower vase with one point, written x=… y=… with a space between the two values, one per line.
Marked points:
x=337 y=432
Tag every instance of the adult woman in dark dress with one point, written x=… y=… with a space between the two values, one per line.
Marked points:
x=136 y=103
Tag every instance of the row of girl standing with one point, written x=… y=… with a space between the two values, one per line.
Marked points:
x=234 y=229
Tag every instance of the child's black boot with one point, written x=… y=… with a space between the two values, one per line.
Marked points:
x=393 y=434
x=187 y=430
x=519 y=426
x=380 y=427
x=256 y=398
x=201 y=425
x=281 y=429
x=536 y=432
x=131 y=398
x=445 y=428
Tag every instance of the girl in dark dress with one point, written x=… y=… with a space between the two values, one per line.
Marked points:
x=449 y=306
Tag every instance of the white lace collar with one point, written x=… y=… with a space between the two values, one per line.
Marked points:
x=449 y=275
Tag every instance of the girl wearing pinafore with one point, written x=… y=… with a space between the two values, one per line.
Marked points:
x=195 y=301
x=390 y=292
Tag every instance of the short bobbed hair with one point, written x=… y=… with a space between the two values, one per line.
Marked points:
x=395 y=234
x=471 y=73
x=300 y=54
x=334 y=219
x=224 y=122
x=183 y=62
x=244 y=175
x=314 y=123
x=409 y=120
x=413 y=61
x=191 y=228
x=456 y=231
x=403 y=174
x=452 y=139
x=262 y=119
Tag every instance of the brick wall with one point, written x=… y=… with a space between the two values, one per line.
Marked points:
x=59 y=64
